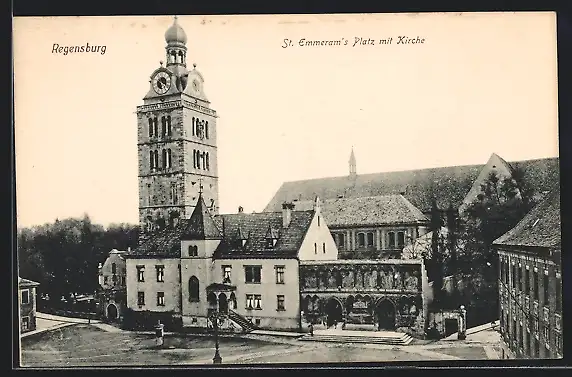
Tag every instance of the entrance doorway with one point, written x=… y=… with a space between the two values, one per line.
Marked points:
x=333 y=312
x=222 y=303
x=112 y=312
x=385 y=314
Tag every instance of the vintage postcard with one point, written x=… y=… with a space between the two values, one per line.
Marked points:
x=318 y=189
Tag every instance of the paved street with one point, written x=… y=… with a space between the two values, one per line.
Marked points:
x=82 y=344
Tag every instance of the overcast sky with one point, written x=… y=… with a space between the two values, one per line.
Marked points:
x=480 y=83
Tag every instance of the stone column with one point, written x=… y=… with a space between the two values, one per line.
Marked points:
x=377 y=239
x=348 y=241
x=383 y=235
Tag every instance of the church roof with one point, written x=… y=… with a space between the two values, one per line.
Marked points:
x=449 y=185
x=541 y=227
x=258 y=226
x=368 y=210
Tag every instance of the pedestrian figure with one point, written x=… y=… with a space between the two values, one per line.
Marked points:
x=311 y=329
x=335 y=324
x=344 y=325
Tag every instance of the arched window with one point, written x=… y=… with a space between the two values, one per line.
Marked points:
x=207 y=129
x=193 y=123
x=151 y=160
x=193 y=289
x=156 y=157
x=391 y=239
x=163 y=126
x=361 y=240
x=193 y=251
x=181 y=57
x=155 y=127
x=208 y=162
x=204 y=161
x=150 y=127
x=169 y=158
x=164 y=153
x=370 y=239
x=113 y=268
x=169 y=129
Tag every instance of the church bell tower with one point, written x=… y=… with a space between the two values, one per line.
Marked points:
x=176 y=141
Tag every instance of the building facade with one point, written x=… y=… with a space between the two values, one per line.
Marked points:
x=111 y=296
x=244 y=265
x=530 y=284
x=27 y=303
x=384 y=294
x=177 y=141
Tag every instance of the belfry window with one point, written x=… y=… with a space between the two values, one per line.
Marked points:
x=208 y=162
x=163 y=126
x=169 y=129
x=150 y=127
x=207 y=129
x=193 y=126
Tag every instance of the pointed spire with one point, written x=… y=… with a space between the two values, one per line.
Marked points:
x=352 y=163
x=201 y=225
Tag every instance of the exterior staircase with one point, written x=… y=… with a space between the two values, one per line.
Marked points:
x=244 y=323
x=370 y=337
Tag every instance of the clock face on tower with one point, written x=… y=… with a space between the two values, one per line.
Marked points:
x=161 y=82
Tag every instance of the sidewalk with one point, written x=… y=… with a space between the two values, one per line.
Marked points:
x=474 y=330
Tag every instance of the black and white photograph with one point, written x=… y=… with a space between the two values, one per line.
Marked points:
x=287 y=189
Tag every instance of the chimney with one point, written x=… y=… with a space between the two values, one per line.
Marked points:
x=287 y=208
x=240 y=209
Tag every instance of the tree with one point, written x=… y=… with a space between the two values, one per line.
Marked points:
x=502 y=203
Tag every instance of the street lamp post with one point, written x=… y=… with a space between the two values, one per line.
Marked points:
x=215 y=317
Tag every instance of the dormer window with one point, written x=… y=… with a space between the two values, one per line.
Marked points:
x=272 y=236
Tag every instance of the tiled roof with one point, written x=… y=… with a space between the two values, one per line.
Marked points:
x=371 y=210
x=449 y=185
x=26 y=283
x=163 y=244
x=201 y=225
x=539 y=228
x=256 y=227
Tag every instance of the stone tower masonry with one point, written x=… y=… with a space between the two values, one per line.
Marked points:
x=176 y=141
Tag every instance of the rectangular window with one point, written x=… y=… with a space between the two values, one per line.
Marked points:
x=558 y=294
x=361 y=239
x=105 y=279
x=546 y=288
x=279 y=274
x=370 y=239
x=258 y=302
x=324 y=248
x=341 y=241
x=25 y=296
x=226 y=274
x=391 y=243
x=252 y=274
x=400 y=240
x=160 y=298
x=25 y=323
x=140 y=298
x=280 y=303
x=535 y=287
x=141 y=273
x=249 y=301
x=160 y=273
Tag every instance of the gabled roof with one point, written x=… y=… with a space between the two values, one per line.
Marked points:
x=24 y=283
x=370 y=210
x=539 y=228
x=201 y=225
x=258 y=226
x=163 y=244
x=448 y=185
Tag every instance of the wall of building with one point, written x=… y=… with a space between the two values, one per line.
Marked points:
x=202 y=267
x=111 y=279
x=381 y=248
x=531 y=320
x=270 y=316
x=318 y=243
x=170 y=286
x=28 y=310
